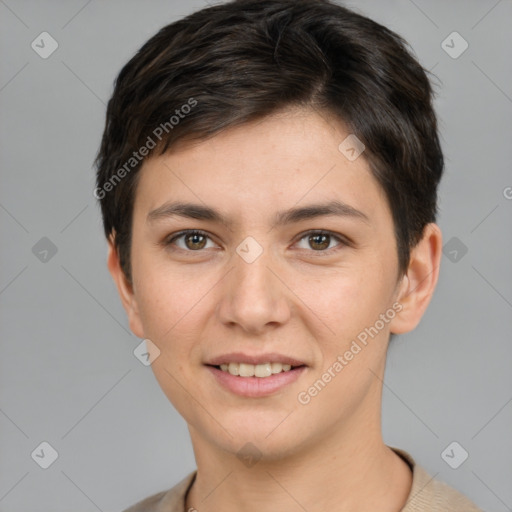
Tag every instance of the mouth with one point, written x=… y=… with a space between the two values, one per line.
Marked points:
x=255 y=381
x=261 y=371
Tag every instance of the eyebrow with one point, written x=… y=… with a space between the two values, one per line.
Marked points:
x=293 y=215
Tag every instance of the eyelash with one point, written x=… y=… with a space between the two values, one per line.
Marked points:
x=342 y=241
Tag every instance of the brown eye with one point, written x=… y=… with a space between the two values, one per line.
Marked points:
x=321 y=241
x=192 y=241
x=195 y=241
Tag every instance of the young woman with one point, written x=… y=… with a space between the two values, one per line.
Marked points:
x=268 y=182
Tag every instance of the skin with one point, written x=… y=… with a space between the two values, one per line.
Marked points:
x=197 y=298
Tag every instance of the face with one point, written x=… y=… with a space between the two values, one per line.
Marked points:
x=255 y=270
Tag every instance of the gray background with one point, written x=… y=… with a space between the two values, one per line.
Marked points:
x=68 y=373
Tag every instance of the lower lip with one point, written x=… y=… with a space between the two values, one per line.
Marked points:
x=254 y=387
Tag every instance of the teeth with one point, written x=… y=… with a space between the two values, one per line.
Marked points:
x=233 y=369
x=251 y=370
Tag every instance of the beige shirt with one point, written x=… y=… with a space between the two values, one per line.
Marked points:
x=427 y=494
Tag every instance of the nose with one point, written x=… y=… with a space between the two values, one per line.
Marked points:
x=254 y=295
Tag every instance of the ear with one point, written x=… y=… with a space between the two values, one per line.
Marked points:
x=125 y=289
x=419 y=282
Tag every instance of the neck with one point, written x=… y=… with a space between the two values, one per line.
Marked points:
x=346 y=470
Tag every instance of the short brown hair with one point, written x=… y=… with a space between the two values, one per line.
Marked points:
x=245 y=59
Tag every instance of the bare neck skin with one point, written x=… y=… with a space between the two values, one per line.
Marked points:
x=348 y=469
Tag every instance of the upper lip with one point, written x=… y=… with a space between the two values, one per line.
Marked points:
x=240 y=357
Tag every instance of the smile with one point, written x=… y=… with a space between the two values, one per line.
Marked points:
x=255 y=370
x=252 y=386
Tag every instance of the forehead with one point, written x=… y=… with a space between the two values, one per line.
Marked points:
x=287 y=159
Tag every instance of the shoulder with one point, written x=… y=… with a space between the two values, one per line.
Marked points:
x=432 y=495
x=172 y=500
x=149 y=504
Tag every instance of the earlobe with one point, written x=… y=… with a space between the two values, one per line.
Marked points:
x=124 y=288
x=418 y=285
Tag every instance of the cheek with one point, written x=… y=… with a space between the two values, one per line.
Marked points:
x=172 y=302
x=168 y=308
x=166 y=303
x=159 y=293
x=347 y=301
